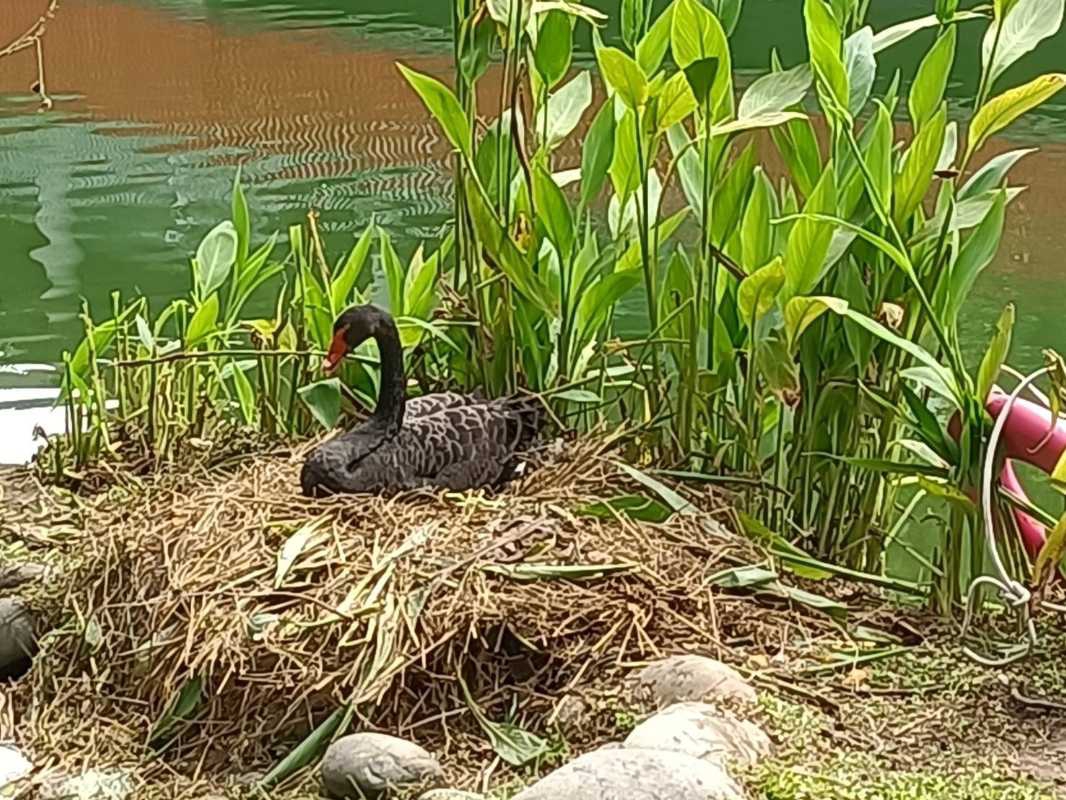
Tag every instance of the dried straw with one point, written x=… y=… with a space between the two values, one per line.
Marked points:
x=288 y=608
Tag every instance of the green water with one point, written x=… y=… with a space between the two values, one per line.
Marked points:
x=156 y=101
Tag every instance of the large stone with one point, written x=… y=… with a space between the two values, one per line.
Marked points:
x=13 y=766
x=702 y=731
x=635 y=775
x=93 y=784
x=695 y=679
x=372 y=763
x=17 y=641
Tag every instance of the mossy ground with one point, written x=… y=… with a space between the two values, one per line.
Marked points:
x=929 y=724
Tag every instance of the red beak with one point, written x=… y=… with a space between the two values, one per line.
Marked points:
x=338 y=349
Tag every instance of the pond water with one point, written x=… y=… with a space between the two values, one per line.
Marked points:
x=158 y=100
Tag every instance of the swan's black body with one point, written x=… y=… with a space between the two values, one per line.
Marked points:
x=444 y=440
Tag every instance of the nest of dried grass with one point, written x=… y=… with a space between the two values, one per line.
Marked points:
x=409 y=609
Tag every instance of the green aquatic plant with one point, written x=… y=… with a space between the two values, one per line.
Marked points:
x=800 y=342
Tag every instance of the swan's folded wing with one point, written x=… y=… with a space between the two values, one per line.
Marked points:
x=438 y=401
x=462 y=446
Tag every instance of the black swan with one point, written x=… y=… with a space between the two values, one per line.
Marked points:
x=445 y=440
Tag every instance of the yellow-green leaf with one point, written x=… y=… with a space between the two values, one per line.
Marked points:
x=1001 y=111
x=758 y=292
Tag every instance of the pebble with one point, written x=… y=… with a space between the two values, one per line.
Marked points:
x=702 y=731
x=13 y=765
x=635 y=775
x=372 y=763
x=691 y=678
x=17 y=641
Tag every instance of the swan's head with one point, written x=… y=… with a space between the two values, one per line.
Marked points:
x=350 y=330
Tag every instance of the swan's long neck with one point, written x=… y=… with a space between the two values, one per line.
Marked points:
x=392 y=396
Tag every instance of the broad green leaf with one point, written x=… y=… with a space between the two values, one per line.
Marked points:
x=531 y=572
x=623 y=75
x=180 y=710
x=341 y=286
x=731 y=193
x=144 y=333
x=554 y=47
x=950 y=151
x=927 y=91
x=445 y=108
x=633 y=506
x=976 y=254
x=215 y=257
x=204 y=322
x=652 y=48
x=742 y=577
x=833 y=608
x=687 y=166
x=825 y=42
x=634 y=18
x=801 y=312
x=913 y=349
x=758 y=292
x=700 y=76
x=309 y=750
x=898 y=256
x=515 y=746
x=1051 y=553
x=946 y=491
x=996 y=353
x=804 y=565
x=916 y=175
x=587 y=13
x=599 y=300
x=562 y=114
x=242 y=223
x=808 y=241
x=993 y=173
x=770 y=119
x=597 y=152
x=778 y=367
x=245 y=393
x=968 y=214
x=293 y=547
x=676 y=101
x=1001 y=111
x=323 y=400
x=553 y=211
x=696 y=35
x=776 y=91
x=904 y=30
x=504 y=252
x=756 y=234
x=861 y=66
x=676 y=502
x=1016 y=32
x=625 y=167
x=878 y=155
x=578 y=396
x=728 y=12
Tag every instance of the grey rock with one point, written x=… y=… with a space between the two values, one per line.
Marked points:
x=372 y=763
x=11 y=577
x=635 y=775
x=93 y=784
x=17 y=640
x=702 y=731
x=690 y=678
x=14 y=765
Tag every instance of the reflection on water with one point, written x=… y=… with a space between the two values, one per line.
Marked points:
x=158 y=100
